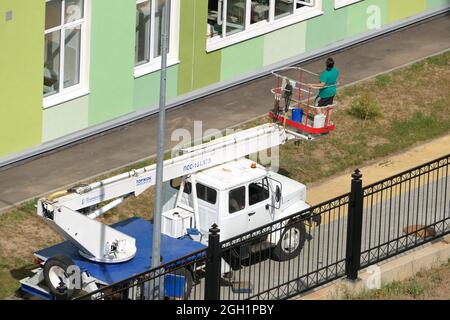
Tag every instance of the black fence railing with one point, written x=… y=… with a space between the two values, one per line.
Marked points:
x=405 y=211
x=289 y=256
x=309 y=248
x=179 y=279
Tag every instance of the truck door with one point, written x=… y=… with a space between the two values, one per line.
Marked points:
x=235 y=221
x=258 y=198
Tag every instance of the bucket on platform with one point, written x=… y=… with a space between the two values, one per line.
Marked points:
x=319 y=121
x=297 y=114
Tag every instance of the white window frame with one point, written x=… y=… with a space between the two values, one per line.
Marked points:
x=172 y=57
x=82 y=88
x=343 y=3
x=263 y=27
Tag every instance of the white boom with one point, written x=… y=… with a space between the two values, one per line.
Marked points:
x=102 y=243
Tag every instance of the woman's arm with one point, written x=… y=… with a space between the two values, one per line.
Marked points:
x=316 y=85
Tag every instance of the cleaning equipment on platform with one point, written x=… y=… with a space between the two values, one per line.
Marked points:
x=297 y=114
x=319 y=120
x=301 y=122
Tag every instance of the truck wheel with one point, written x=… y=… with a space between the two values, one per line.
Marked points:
x=188 y=280
x=291 y=242
x=58 y=276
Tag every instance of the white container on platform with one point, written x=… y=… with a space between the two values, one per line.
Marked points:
x=319 y=120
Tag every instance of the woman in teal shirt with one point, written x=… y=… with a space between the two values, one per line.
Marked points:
x=327 y=85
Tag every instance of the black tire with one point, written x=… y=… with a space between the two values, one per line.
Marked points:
x=188 y=280
x=284 y=251
x=61 y=291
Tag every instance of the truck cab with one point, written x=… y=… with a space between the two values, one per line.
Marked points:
x=238 y=196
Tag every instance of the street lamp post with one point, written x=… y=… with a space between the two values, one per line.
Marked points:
x=156 y=247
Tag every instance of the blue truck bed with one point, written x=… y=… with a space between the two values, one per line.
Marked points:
x=142 y=231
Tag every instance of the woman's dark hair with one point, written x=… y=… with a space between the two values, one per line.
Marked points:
x=330 y=64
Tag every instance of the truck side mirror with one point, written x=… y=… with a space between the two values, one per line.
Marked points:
x=277 y=194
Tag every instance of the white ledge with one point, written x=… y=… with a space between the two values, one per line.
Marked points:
x=343 y=3
x=153 y=66
x=60 y=98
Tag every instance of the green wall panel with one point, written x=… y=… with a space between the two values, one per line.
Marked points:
x=21 y=61
x=327 y=28
x=112 y=59
x=146 y=88
x=243 y=58
x=362 y=15
x=65 y=118
x=434 y=4
x=198 y=68
x=400 y=9
x=284 y=43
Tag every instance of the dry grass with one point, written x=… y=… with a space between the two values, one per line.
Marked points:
x=21 y=233
x=415 y=104
x=433 y=284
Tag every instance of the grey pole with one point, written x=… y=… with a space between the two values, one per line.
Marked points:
x=156 y=247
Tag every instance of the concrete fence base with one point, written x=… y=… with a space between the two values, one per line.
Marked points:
x=396 y=269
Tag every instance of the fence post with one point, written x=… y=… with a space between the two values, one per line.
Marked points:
x=213 y=259
x=354 y=227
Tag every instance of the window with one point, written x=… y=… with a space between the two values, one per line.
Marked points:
x=231 y=21
x=342 y=3
x=258 y=191
x=176 y=183
x=64 y=59
x=149 y=25
x=203 y=192
x=206 y=193
x=236 y=200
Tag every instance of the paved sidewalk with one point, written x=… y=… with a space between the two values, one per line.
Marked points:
x=225 y=109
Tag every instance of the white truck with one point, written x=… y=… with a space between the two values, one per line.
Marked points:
x=212 y=183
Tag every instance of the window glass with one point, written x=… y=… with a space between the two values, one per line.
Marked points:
x=72 y=52
x=73 y=11
x=215 y=13
x=143 y=27
x=206 y=193
x=258 y=191
x=159 y=24
x=283 y=8
x=236 y=199
x=176 y=183
x=52 y=14
x=259 y=11
x=203 y=192
x=149 y=27
x=303 y=3
x=236 y=13
x=51 y=62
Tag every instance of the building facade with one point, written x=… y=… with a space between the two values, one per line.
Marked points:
x=69 y=67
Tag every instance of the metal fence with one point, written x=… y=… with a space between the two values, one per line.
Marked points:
x=177 y=279
x=405 y=211
x=289 y=256
x=310 y=248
